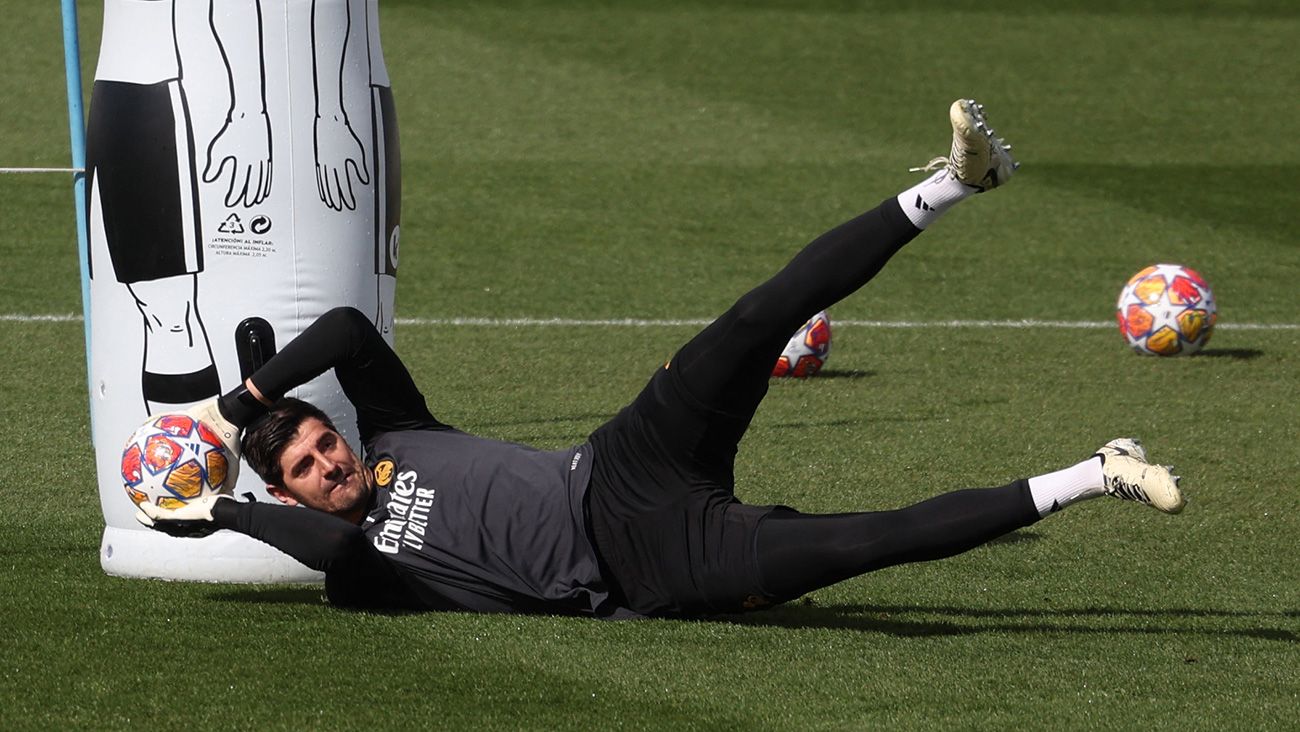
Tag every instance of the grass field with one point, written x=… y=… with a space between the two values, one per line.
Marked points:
x=652 y=160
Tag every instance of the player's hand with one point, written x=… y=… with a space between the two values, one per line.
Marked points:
x=210 y=414
x=192 y=520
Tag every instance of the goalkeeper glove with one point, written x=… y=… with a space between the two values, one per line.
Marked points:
x=209 y=413
x=192 y=520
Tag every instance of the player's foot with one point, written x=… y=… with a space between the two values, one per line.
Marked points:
x=979 y=158
x=1128 y=475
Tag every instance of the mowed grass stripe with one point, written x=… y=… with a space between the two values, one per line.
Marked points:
x=607 y=193
x=527 y=322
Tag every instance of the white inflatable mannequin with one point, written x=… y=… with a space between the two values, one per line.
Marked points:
x=242 y=163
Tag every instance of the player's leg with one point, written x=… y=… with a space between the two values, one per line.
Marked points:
x=798 y=553
x=726 y=367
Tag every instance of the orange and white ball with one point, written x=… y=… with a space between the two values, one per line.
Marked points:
x=172 y=459
x=807 y=350
x=1166 y=310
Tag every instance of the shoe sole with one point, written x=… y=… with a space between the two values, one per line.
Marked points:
x=968 y=121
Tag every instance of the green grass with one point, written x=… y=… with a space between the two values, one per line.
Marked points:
x=653 y=160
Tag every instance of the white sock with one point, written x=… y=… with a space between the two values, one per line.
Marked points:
x=927 y=200
x=1055 y=491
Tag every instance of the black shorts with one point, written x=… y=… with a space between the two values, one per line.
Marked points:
x=140 y=160
x=669 y=531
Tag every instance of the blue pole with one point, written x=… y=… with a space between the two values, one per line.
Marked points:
x=77 y=133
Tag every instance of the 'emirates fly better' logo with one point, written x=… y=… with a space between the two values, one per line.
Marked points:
x=408 y=512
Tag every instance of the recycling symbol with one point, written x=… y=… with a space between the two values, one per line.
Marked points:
x=232 y=225
x=260 y=225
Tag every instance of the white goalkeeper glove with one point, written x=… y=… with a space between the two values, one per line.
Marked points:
x=210 y=414
x=192 y=520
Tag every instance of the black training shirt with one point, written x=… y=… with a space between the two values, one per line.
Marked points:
x=457 y=521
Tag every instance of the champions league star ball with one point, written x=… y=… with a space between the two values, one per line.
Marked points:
x=172 y=459
x=807 y=350
x=1166 y=310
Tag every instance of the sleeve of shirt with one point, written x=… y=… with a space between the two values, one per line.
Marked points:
x=356 y=574
x=372 y=376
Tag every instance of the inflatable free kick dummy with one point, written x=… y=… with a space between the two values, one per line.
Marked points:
x=243 y=178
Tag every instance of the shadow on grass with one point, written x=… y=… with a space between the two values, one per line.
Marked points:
x=922 y=621
x=804 y=425
x=272 y=595
x=929 y=621
x=1015 y=537
x=843 y=374
x=298 y=595
x=1250 y=198
x=541 y=421
x=1237 y=354
x=568 y=429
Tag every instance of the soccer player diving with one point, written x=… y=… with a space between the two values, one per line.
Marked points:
x=642 y=518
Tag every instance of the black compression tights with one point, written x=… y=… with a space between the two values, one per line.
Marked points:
x=728 y=364
x=799 y=553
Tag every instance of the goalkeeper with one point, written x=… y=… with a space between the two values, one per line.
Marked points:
x=639 y=520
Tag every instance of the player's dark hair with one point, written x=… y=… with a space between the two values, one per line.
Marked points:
x=264 y=440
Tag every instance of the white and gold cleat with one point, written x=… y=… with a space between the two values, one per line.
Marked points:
x=1128 y=475
x=979 y=158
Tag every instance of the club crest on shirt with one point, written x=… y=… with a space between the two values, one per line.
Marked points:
x=384 y=472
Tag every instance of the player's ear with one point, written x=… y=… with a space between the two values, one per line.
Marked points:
x=279 y=493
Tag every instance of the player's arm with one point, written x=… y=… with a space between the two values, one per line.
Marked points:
x=372 y=376
x=356 y=573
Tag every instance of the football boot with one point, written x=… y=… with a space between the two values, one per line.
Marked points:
x=1127 y=475
x=979 y=158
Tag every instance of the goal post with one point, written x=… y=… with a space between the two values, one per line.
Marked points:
x=77 y=139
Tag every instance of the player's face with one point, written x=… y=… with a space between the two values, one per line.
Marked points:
x=322 y=472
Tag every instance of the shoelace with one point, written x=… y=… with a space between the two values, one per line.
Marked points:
x=957 y=157
x=1119 y=487
x=930 y=166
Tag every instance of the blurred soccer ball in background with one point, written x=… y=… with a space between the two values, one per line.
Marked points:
x=1166 y=310
x=807 y=350
x=172 y=459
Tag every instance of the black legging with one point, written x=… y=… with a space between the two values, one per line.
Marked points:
x=727 y=367
x=799 y=553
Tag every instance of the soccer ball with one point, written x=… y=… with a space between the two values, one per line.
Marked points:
x=172 y=459
x=807 y=350
x=1166 y=310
